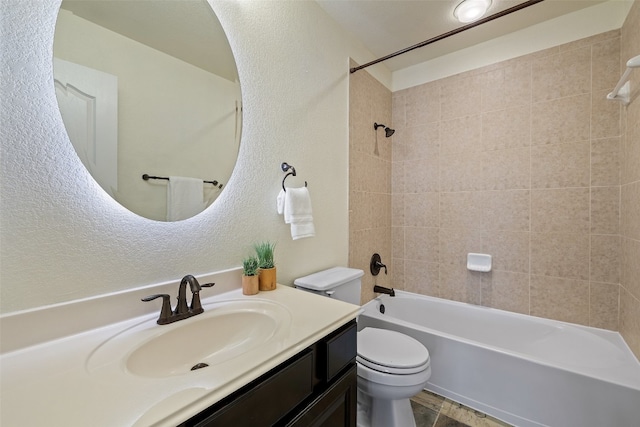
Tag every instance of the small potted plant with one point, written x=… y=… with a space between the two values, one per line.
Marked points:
x=267 y=280
x=250 y=277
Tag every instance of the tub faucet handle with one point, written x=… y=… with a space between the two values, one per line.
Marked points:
x=376 y=264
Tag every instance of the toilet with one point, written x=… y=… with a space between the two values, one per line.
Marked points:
x=392 y=367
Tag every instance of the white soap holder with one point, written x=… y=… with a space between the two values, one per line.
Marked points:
x=479 y=262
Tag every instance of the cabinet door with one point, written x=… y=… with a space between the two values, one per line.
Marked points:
x=265 y=403
x=336 y=407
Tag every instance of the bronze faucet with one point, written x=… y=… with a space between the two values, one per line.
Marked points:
x=182 y=310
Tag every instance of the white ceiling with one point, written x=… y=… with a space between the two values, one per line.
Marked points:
x=387 y=26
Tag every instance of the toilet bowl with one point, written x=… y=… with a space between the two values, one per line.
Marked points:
x=391 y=367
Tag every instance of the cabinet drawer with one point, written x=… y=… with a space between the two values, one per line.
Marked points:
x=270 y=400
x=340 y=350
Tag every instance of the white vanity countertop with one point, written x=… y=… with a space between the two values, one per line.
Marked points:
x=52 y=383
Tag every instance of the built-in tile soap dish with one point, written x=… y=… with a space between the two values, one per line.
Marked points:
x=479 y=262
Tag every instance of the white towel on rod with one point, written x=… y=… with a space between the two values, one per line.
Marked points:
x=184 y=197
x=295 y=204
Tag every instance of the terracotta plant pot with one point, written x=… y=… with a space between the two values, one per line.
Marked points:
x=250 y=285
x=268 y=279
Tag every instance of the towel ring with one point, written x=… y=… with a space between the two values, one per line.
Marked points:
x=285 y=167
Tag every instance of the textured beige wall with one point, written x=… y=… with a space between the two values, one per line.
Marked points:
x=630 y=194
x=369 y=178
x=64 y=239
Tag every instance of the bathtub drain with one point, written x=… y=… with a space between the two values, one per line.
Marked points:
x=199 y=366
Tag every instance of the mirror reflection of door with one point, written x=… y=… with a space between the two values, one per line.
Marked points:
x=88 y=101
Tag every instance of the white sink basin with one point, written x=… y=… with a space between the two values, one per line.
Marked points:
x=225 y=331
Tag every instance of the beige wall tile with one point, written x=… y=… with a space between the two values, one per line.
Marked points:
x=422 y=176
x=563 y=210
x=397 y=242
x=506 y=290
x=561 y=120
x=370 y=177
x=397 y=210
x=460 y=96
x=566 y=74
x=456 y=243
x=461 y=135
x=605 y=210
x=560 y=165
x=398 y=273
x=459 y=284
x=630 y=210
x=606 y=63
x=422 y=210
x=461 y=209
x=420 y=142
x=421 y=244
x=630 y=321
x=605 y=115
x=460 y=172
x=398 y=110
x=630 y=193
x=561 y=299
x=509 y=249
x=397 y=178
x=398 y=149
x=630 y=266
x=423 y=104
x=605 y=258
x=509 y=128
x=560 y=255
x=630 y=167
x=603 y=303
x=507 y=86
x=506 y=210
x=422 y=277
x=605 y=161
x=508 y=169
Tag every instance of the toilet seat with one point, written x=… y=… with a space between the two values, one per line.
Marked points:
x=391 y=352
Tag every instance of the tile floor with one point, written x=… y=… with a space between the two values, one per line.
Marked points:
x=431 y=410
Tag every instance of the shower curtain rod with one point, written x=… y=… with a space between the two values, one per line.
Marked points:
x=449 y=33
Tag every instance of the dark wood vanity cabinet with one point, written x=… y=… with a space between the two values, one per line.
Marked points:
x=317 y=387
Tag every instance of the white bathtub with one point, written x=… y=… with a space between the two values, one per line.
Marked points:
x=524 y=370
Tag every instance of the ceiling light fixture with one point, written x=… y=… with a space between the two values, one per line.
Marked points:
x=471 y=10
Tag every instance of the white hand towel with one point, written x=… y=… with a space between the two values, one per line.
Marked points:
x=280 y=202
x=184 y=197
x=297 y=212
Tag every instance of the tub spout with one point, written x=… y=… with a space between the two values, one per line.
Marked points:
x=383 y=290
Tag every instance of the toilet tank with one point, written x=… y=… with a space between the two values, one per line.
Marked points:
x=341 y=283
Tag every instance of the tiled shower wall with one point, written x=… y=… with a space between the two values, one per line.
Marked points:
x=369 y=178
x=630 y=194
x=525 y=160
x=519 y=160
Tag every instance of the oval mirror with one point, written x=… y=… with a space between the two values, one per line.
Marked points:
x=150 y=97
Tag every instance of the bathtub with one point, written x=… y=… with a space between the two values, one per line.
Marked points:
x=524 y=370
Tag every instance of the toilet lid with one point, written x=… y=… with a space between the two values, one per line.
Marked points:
x=391 y=351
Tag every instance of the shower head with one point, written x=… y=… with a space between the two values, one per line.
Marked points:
x=387 y=130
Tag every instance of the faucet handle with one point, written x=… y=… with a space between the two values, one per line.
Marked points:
x=165 y=311
x=196 y=306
